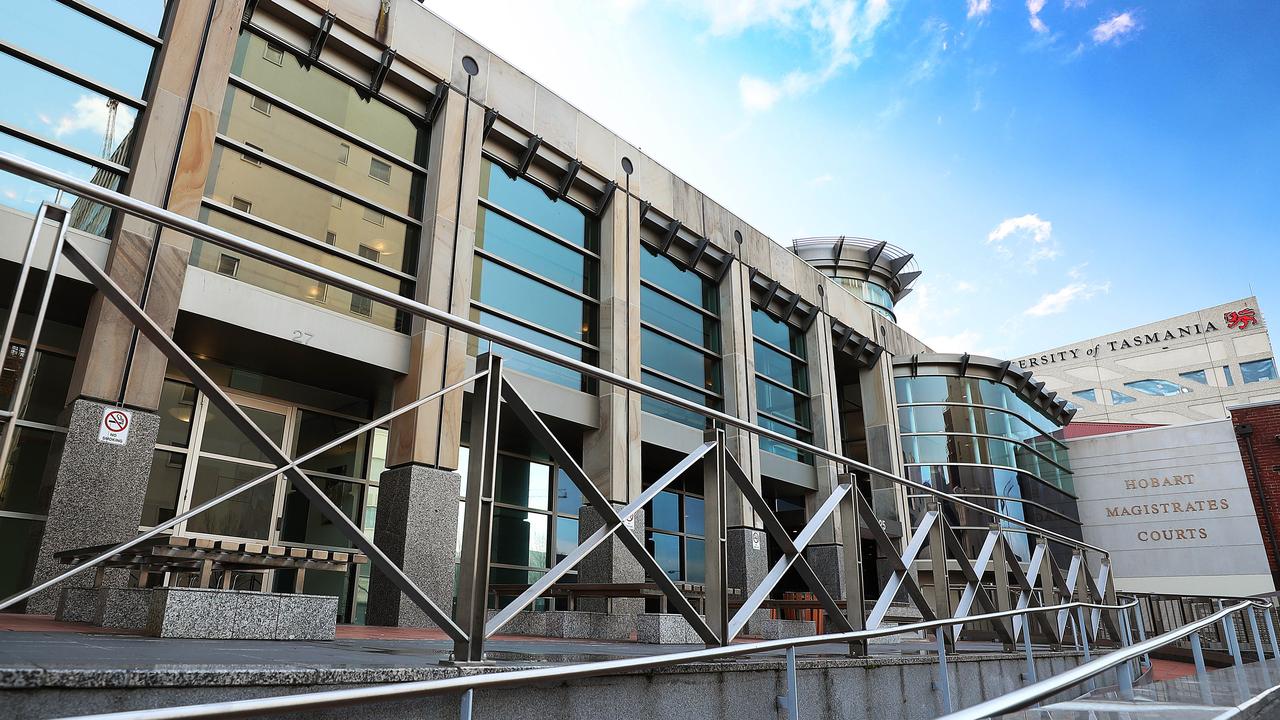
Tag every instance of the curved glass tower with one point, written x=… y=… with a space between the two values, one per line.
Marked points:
x=982 y=430
x=878 y=273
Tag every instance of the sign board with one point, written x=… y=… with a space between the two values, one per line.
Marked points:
x=1172 y=505
x=629 y=522
x=755 y=541
x=114 y=428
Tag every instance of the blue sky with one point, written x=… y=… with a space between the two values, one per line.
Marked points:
x=1061 y=168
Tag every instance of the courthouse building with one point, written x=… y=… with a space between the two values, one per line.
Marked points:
x=374 y=139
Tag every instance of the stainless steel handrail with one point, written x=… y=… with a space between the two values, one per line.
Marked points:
x=34 y=171
x=1031 y=694
x=398 y=691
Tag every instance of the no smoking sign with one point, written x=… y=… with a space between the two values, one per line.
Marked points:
x=114 y=428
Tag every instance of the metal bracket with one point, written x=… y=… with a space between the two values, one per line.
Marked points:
x=530 y=151
x=380 y=72
x=437 y=101
x=318 y=40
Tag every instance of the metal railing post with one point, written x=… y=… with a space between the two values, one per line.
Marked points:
x=464 y=707
x=1257 y=636
x=1082 y=631
x=24 y=272
x=20 y=389
x=1202 y=677
x=855 y=609
x=1271 y=633
x=1142 y=631
x=1233 y=644
x=1026 y=648
x=938 y=568
x=944 y=678
x=790 y=703
x=715 y=558
x=477 y=514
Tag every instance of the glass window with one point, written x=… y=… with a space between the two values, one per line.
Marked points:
x=1119 y=398
x=782 y=403
x=379 y=170
x=65 y=111
x=21 y=540
x=26 y=195
x=519 y=537
x=524 y=199
x=566 y=536
x=1195 y=376
x=80 y=43
x=781 y=368
x=522 y=482
x=228 y=265
x=177 y=404
x=1226 y=372
x=256 y=272
x=660 y=312
x=664 y=511
x=667 y=410
x=330 y=98
x=666 y=550
x=248 y=514
x=1157 y=387
x=47 y=385
x=780 y=409
x=678 y=361
x=304 y=523
x=161 y=500
x=1091 y=395
x=680 y=320
x=521 y=246
x=316 y=429
x=1258 y=370
x=539 y=302
x=777 y=333
x=221 y=437
x=522 y=362
x=27 y=481
x=687 y=285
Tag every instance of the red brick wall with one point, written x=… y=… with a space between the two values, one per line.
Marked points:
x=1264 y=421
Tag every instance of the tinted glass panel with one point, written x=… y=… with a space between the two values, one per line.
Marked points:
x=304 y=523
x=308 y=209
x=1195 y=376
x=1162 y=388
x=223 y=438
x=317 y=429
x=566 y=536
x=330 y=98
x=319 y=152
x=525 y=199
x=521 y=362
x=568 y=496
x=524 y=247
x=695 y=570
x=777 y=333
x=1258 y=370
x=177 y=403
x=78 y=42
x=778 y=448
x=679 y=361
x=245 y=515
x=161 y=501
x=688 y=285
x=27 y=481
x=694 y=515
x=520 y=482
x=781 y=403
x=63 y=111
x=26 y=195
x=669 y=411
x=1091 y=395
x=1119 y=398
x=664 y=511
x=46 y=393
x=256 y=272
x=782 y=368
x=519 y=537
x=146 y=15
x=504 y=289
x=680 y=320
x=666 y=550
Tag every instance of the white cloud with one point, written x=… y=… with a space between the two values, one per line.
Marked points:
x=1028 y=236
x=1033 y=11
x=823 y=179
x=964 y=286
x=1115 y=29
x=841 y=30
x=90 y=113
x=978 y=8
x=935 y=324
x=977 y=100
x=1069 y=4
x=1058 y=301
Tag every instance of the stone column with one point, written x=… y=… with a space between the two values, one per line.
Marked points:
x=748 y=549
x=825 y=552
x=611 y=452
x=418 y=500
x=417 y=526
x=99 y=488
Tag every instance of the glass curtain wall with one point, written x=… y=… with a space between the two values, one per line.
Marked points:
x=199 y=454
x=26 y=483
x=535 y=275
x=679 y=338
x=674 y=530
x=74 y=87
x=977 y=438
x=305 y=163
x=782 y=384
x=535 y=520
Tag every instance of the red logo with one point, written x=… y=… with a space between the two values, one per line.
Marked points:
x=1241 y=319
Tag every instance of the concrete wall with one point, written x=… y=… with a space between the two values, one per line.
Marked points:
x=883 y=687
x=1200 y=340
x=1173 y=507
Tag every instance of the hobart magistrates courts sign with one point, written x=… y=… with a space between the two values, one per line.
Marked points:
x=1173 y=507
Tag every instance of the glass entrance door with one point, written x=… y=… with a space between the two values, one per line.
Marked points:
x=227 y=459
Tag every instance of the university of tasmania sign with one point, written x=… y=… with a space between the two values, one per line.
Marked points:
x=1173 y=507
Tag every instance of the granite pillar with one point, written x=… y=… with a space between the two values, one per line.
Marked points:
x=611 y=562
x=417 y=527
x=827 y=561
x=748 y=558
x=97 y=496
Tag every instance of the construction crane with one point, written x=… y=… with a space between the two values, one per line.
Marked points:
x=107 y=141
